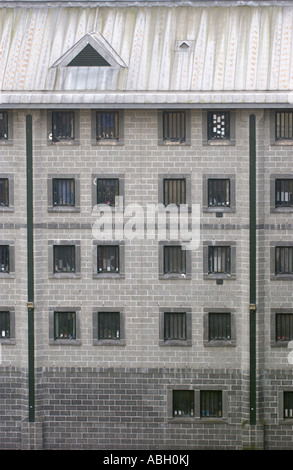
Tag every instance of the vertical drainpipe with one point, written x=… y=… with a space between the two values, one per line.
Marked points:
x=252 y=262
x=30 y=268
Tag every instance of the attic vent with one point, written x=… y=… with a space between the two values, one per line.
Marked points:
x=184 y=46
x=88 y=57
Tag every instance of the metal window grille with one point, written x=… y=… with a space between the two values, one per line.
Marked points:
x=4 y=258
x=183 y=403
x=107 y=125
x=64 y=258
x=4 y=325
x=107 y=191
x=219 y=326
x=284 y=125
x=174 y=191
x=219 y=259
x=108 y=325
x=284 y=326
x=284 y=192
x=108 y=258
x=219 y=192
x=63 y=192
x=4 y=192
x=175 y=325
x=211 y=403
x=174 y=126
x=63 y=125
x=219 y=125
x=3 y=125
x=284 y=260
x=174 y=260
x=64 y=325
x=288 y=405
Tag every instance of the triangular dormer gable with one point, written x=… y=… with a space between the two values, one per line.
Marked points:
x=92 y=50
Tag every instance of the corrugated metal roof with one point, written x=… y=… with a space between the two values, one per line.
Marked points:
x=228 y=54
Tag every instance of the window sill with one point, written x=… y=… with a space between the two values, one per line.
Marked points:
x=279 y=143
x=170 y=143
x=6 y=275
x=282 y=210
x=63 y=210
x=219 y=343
x=225 y=142
x=109 y=342
x=64 y=142
x=182 y=277
x=65 y=276
x=114 y=142
x=6 y=209
x=197 y=419
x=7 y=341
x=65 y=342
x=282 y=277
x=217 y=209
x=280 y=344
x=6 y=142
x=216 y=277
x=108 y=276
x=175 y=343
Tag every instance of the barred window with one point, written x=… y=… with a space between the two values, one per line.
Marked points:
x=63 y=192
x=174 y=126
x=64 y=325
x=284 y=125
x=4 y=324
x=175 y=326
x=4 y=259
x=219 y=326
x=183 y=403
x=64 y=258
x=174 y=191
x=288 y=405
x=219 y=125
x=109 y=325
x=63 y=126
x=219 y=261
x=107 y=125
x=174 y=260
x=284 y=326
x=4 y=192
x=284 y=192
x=211 y=403
x=218 y=192
x=284 y=260
x=107 y=190
x=108 y=258
x=3 y=125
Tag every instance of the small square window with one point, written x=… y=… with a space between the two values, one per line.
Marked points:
x=284 y=260
x=4 y=259
x=219 y=125
x=4 y=324
x=174 y=126
x=283 y=192
x=219 y=260
x=107 y=190
x=288 y=405
x=3 y=125
x=63 y=126
x=218 y=192
x=183 y=403
x=108 y=258
x=174 y=191
x=283 y=125
x=64 y=325
x=219 y=326
x=109 y=325
x=211 y=403
x=4 y=192
x=175 y=326
x=64 y=258
x=107 y=125
x=63 y=192
x=174 y=260
x=284 y=327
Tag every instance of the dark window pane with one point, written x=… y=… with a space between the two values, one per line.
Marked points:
x=108 y=325
x=219 y=125
x=4 y=325
x=64 y=325
x=174 y=191
x=284 y=125
x=64 y=258
x=284 y=326
x=63 y=192
x=4 y=192
x=219 y=192
x=107 y=125
x=3 y=125
x=219 y=326
x=284 y=192
x=211 y=403
x=174 y=126
x=288 y=405
x=183 y=403
x=175 y=326
x=284 y=260
x=108 y=259
x=4 y=258
x=63 y=125
x=107 y=191
x=219 y=259
x=174 y=260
